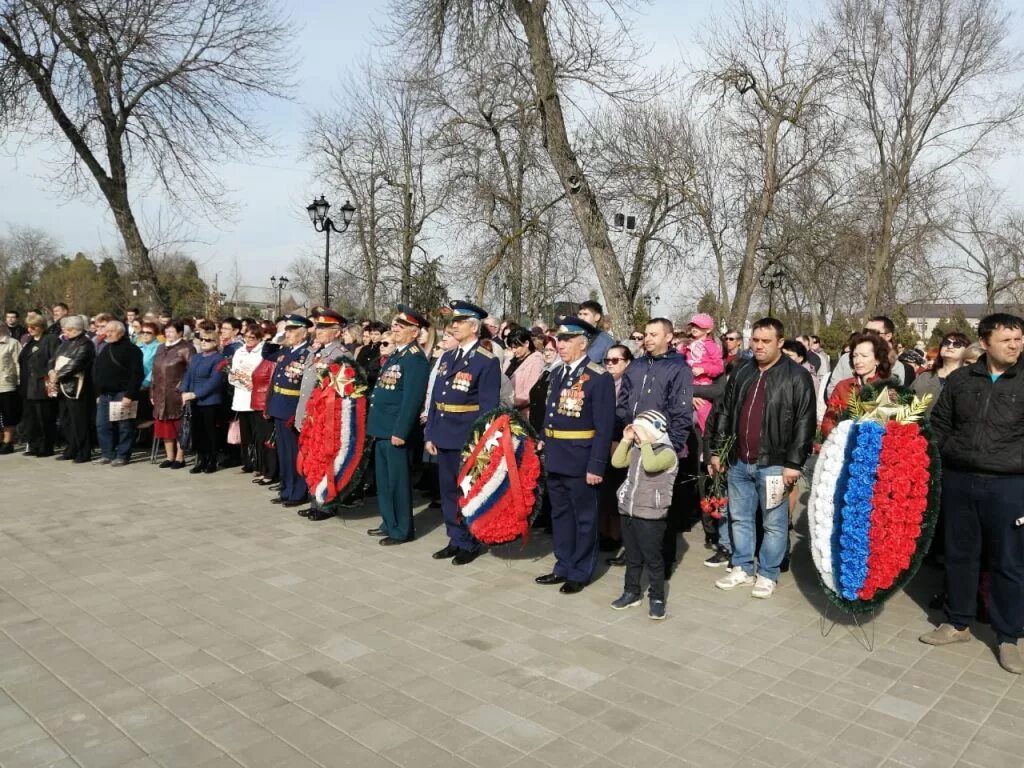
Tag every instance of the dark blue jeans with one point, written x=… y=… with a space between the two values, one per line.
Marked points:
x=983 y=510
x=116 y=438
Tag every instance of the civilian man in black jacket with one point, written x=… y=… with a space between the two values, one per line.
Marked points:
x=978 y=423
x=769 y=411
x=117 y=376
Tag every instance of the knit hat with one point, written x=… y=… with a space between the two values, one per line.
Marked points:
x=651 y=426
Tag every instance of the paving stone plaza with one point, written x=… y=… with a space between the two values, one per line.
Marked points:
x=153 y=618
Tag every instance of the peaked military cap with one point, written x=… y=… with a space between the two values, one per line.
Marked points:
x=297 y=321
x=409 y=316
x=570 y=325
x=462 y=309
x=325 y=316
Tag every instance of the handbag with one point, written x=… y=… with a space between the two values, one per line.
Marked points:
x=185 y=428
x=235 y=433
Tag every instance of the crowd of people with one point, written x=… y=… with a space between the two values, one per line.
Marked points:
x=631 y=430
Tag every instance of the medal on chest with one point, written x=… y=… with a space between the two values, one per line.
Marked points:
x=570 y=399
x=390 y=377
x=462 y=381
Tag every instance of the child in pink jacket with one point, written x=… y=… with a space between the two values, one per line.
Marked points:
x=705 y=359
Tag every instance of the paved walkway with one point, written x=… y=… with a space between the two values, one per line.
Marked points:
x=154 y=618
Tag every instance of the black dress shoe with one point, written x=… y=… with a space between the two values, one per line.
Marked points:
x=81 y=461
x=275 y=486
x=246 y=470
x=317 y=515
x=465 y=557
x=196 y=469
x=618 y=561
x=387 y=541
x=30 y=452
x=63 y=457
x=209 y=469
x=376 y=532
x=571 y=587
x=44 y=455
x=444 y=554
x=293 y=504
x=265 y=481
x=304 y=512
x=550 y=578
x=165 y=464
x=277 y=500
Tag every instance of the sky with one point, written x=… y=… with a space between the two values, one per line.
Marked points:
x=269 y=227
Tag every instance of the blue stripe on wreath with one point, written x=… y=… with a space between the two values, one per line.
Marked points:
x=491 y=500
x=854 y=541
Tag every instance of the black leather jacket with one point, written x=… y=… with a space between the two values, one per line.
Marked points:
x=979 y=423
x=80 y=354
x=790 y=418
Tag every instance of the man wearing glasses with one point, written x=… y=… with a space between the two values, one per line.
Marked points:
x=282 y=403
x=733 y=345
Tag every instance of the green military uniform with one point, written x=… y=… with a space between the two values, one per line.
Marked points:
x=395 y=406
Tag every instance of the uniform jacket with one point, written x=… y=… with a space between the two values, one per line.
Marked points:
x=397 y=398
x=34 y=362
x=310 y=375
x=583 y=401
x=663 y=383
x=205 y=377
x=474 y=381
x=979 y=423
x=291 y=363
x=169 y=366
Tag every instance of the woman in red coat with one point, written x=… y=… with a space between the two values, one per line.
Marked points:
x=869 y=358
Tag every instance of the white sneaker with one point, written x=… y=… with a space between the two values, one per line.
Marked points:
x=763 y=588
x=737 y=577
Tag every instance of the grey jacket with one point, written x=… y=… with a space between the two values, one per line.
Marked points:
x=644 y=494
x=309 y=375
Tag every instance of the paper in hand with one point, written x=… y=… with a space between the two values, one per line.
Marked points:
x=774 y=491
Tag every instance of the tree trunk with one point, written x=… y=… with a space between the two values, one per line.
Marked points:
x=882 y=261
x=138 y=253
x=592 y=223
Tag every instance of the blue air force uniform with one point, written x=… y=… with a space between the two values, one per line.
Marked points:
x=281 y=404
x=395 y=405
x=467 y=386
x=579 y=421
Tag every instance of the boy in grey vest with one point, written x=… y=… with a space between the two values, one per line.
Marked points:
x=644 y=499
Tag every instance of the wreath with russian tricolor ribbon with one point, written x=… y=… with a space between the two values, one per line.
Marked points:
x=874 y=498
x=500 y=478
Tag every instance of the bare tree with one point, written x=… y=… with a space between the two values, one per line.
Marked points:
x=142 y=88
x=779 y=121
x=930 y=81
x=568 y=41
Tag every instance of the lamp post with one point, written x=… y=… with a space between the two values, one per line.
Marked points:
x=772 y=278
x=649 y=302
x=279 y=283
x=317 y=211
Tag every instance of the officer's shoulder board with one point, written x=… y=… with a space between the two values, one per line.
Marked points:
x=485 y=352
x=598 y=369
x=414 y=349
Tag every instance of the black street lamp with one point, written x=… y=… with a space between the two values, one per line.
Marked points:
x=317 y=211
x=649 y=302
x=279 y=284
x=772 y=279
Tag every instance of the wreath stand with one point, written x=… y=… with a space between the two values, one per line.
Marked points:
x=862 y=629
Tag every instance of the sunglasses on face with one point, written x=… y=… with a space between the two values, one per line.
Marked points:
x=615 y=360
x=208 y=341
x=637 y=337
x=732 y=338
x=954 y=343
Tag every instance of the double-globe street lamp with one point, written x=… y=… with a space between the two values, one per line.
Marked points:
x=772 y=279
x=317 y=211
x=279 y=284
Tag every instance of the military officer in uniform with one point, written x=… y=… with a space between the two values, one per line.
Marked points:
x=326 y=346
x=579 y=421
x=291 y=362
x=395 y=405
x=467 y=385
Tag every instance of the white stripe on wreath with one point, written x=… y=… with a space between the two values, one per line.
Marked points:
x=821 y=504
x=347 y=435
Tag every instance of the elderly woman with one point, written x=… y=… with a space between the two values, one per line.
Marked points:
x=71 y=376
x=523 y=368
x=243 y=363
x=203 y=387
x=869 y=358
x=10 y=398
x=169 y=366
x=147 y=341
x=40 y=422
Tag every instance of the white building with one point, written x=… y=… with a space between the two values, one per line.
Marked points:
x=924 y=317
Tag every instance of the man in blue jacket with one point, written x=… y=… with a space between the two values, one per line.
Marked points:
x=578 y=427
x=467 y=386
x=660 y=380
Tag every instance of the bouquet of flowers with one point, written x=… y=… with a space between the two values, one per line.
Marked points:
x=716 y=497
x=333 y=449
x=874 y=498
x=499 y=479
